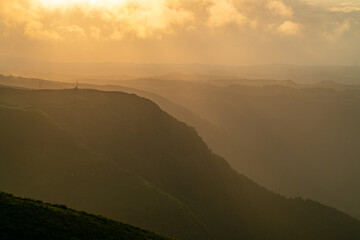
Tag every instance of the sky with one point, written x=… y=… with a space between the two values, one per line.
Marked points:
x=228 y=32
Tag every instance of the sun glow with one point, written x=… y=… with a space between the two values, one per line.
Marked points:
x=72 y=3
x=61 y=20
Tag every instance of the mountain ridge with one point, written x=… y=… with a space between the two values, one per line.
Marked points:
x=137 y=135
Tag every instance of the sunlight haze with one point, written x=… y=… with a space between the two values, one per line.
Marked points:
x=180 y=119
x=236 y=32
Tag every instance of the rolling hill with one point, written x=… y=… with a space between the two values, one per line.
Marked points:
x=136 y=135
x=212 y=134
x=110 y=72
x=306 y=134
x=29 y=219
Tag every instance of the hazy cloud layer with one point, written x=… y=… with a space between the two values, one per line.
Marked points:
x=289 y=28
x=262 y=24
x=99 y=19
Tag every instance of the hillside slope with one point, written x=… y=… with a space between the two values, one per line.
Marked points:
x=38 y=159
x=307 y=136
x=211 y=133
x=137 y=135
x=29 y=219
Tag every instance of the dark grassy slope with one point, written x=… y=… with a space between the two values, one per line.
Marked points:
x=29 y=219
x=310 y=137
x=38 y=159
x=136 y=134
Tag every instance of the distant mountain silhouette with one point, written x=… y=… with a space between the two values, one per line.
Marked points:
x=132 y=133
x=29 y=219
x=108 y=72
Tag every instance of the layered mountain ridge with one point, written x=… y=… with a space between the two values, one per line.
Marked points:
x=203 y=197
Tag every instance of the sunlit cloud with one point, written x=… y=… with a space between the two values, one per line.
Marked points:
x=108 y=19
x=117 y=19
x=280 y=8
x=184 y=30
x=289 y=28
x=339 y=28
x=224 y=12
x=344 y=9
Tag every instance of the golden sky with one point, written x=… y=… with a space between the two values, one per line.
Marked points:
x=182 y=31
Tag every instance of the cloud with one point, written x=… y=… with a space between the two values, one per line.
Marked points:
x=278 y=7
x=180 y=30
x=46 y=20
x=344 y=9
x=289 y=28
x=116 y=20
x=338 y=29
x=95 y=32
x=342 y=28
x=223 y=12
x=247 y=13
x=35 y=30
x=149 y=19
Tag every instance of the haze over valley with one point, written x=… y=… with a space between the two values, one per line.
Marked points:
x=189 y=120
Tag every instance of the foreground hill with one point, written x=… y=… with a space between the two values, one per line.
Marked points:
x=138 y=136
x=29 y=219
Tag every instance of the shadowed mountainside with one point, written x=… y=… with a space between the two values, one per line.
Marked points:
x=39 y=159
x=137 y=135
x=266 y=129
x=211 y=133
x=307 y=135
